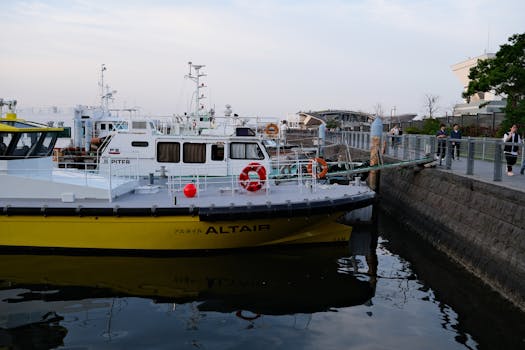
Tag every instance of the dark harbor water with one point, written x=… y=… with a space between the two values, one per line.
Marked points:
x=388 y=292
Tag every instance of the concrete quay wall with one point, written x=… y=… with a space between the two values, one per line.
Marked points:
x=478 y=224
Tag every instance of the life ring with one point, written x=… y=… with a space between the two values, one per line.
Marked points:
x=271 y=129
x=247 y=318
x=324 y=167
x=252 y=185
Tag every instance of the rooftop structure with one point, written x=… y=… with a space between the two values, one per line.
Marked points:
x=345 y=119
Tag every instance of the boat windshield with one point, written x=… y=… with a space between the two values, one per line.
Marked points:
x=15 y=145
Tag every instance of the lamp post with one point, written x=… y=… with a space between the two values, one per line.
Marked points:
x=393 y=114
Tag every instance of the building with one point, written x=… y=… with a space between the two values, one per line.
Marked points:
x=346 y=120
x=481 y=102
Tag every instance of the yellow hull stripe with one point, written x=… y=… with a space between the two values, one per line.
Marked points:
x=166 y=233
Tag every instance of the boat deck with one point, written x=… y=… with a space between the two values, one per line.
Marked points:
x=211 y=193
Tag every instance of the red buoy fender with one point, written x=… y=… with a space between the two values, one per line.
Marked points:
x=250 y=184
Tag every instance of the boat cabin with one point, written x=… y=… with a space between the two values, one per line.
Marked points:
x=21 y=139
x=148 y=152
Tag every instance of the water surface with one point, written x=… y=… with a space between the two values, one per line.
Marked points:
x=386 y=291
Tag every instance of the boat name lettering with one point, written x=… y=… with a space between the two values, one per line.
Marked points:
x=237 y=228
x=120 y=161
x=187 y=230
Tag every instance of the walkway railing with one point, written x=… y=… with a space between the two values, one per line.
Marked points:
x=477 y=156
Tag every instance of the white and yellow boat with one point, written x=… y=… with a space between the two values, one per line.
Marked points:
x=42 y=206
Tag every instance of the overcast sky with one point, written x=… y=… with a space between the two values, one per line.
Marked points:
x=265 y=58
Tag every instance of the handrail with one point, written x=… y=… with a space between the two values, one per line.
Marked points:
x=479 y=153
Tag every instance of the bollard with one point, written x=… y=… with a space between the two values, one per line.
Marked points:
x=376 y=131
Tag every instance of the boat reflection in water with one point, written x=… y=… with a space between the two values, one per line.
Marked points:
x=38 y=291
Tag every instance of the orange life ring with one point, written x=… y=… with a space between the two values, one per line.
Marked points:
x=247 y=318
x=324 y=167
x=271 y=129
x=252 y=185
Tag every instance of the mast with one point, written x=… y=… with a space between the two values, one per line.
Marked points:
x=106 y=95
x=101 y=84
x=195 y=77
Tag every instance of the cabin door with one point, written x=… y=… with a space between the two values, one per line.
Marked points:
x=217 y=159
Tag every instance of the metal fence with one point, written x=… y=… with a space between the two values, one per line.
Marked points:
x=481 y=156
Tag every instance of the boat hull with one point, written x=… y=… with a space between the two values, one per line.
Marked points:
x=182 y=232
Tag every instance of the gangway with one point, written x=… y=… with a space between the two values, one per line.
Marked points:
x=422 y=161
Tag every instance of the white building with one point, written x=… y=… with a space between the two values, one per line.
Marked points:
x=488 y=101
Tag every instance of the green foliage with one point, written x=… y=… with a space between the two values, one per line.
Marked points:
x=505 y=74
x=332 y=124
x=411 y=130
x=430 y=126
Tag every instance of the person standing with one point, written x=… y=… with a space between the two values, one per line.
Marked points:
x=511 y=151
x=395 y=135
x=455 y=134
x=441 y=136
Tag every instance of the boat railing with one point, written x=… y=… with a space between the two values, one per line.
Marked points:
x=306 y=175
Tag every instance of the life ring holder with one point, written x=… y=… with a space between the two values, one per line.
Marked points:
x=252 y=185
x=324 y=167
x=271 y=129
x=247 y=318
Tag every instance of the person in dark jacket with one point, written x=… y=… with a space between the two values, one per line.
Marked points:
x=441 y=136
x=455 y=134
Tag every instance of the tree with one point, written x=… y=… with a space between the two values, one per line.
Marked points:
x=332 y=123
x=505 y=75
x=431 y=106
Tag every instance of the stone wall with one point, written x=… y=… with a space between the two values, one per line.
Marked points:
x=480 y=225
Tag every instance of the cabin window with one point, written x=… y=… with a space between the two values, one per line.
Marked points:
x=45 y=148
x=217 y=152
x=138 y=125
x=168 y=152
x=139 y=143
x=194 y=153
x=241 y=150
x=5 y=140
x=25 y=142
x=121 y=126
x=102 y=126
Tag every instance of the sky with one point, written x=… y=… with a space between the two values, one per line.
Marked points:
x=264 y=58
